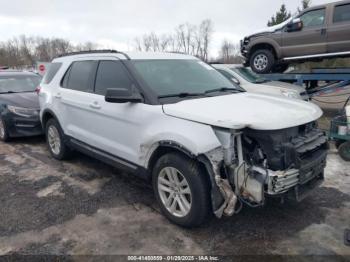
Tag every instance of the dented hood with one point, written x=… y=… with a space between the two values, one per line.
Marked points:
x=236 y=111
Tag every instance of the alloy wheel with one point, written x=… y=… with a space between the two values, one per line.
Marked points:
x=54 y=139
x=174 y=191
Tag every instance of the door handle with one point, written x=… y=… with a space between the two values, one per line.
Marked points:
x=58 y=96
x=95 y=105
x=323 y=31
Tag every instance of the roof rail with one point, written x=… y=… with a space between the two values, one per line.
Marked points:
x=95 y=51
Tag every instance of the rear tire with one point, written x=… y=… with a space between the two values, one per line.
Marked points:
x=181 y=190
x=4 y=134
x=344 y=151
x=56 y=140
x=262 y=61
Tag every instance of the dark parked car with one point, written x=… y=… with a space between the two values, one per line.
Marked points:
x=315 y=33
x=19 y=105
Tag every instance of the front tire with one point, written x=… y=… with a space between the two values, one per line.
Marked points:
x=56 y=140
x=262 y=61
x=181 y=190
x=4 y=134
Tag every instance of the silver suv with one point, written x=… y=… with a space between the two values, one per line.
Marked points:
x=206 y=145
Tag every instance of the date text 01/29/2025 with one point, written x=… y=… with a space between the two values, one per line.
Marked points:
x=173 y=258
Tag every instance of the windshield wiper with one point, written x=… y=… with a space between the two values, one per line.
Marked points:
x=184 y=94
x=8 y=92
x=223 y=89
x=13 y=92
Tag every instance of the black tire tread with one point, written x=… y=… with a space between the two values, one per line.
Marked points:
x=271 y=59
x=6 y=138
x=200 y=211
x=65 y=150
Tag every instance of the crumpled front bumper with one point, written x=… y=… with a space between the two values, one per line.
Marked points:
x=297 y=182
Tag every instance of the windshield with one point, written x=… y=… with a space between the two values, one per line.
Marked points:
x=167 y=77
x=249 y=75
x=18 y=83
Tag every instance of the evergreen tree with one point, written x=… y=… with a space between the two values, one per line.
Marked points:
x=281 y=16
x=304 y=4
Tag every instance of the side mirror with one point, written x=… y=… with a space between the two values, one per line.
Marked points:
x=234 y=80
x=295 y=25
x=122 y=95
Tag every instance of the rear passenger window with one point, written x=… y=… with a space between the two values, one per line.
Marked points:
x=50 y=74
x=341 y=13
x=81 y=76
x=111 y=74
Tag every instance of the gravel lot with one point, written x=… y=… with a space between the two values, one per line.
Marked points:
x=82 y=206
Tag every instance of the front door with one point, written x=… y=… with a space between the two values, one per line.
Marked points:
x=117 y=128
x=311 y=39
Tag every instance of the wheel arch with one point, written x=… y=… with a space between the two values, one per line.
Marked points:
x=265 y=45
x=163 y=147
x=46 y=116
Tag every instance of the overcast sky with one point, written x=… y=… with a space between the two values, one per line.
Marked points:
x=116 y=23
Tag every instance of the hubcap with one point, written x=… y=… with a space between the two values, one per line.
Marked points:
x=2 y=129
x=260 y=62
x=54 y=140
x=174 y=191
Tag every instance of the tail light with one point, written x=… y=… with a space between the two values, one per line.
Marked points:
x=37 y=90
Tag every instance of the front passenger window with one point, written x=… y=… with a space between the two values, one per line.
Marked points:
x=111 y=74
x=313 y=18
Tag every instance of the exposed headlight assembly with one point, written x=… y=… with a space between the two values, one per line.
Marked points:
x=290 y=94
x=25 y=112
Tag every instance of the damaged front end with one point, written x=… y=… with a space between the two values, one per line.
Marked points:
x=253 y=165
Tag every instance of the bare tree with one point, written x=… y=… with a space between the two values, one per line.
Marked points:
x=205 y=31
x=138 y=44
x=23 y=51
x=187 y=38
x=229 y=53
x=185 y=35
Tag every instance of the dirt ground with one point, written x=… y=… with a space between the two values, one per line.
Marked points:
x=85 y=207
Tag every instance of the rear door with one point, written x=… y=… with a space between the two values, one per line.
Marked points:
x=339 y=29
x=76 y=99
x=312 y=39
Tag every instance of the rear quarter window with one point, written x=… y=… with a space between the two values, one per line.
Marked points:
x=341 y=13
x=50 y=74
